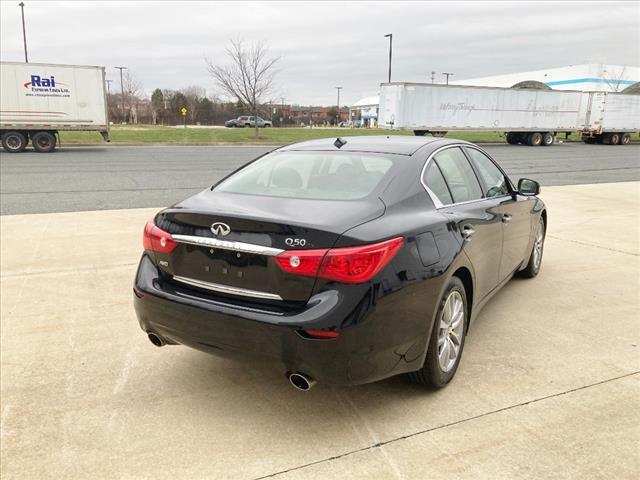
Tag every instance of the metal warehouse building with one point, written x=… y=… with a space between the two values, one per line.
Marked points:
x=587 y=77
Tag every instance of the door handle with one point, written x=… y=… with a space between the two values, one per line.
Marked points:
x=467 y=232
x=506 y=218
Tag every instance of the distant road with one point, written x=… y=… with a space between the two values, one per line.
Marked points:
x=99 y=178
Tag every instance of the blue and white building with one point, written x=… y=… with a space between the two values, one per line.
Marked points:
x=587 y=77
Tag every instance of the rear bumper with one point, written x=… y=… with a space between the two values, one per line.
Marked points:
x=377 y=339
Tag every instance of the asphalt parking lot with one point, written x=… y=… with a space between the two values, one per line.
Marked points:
x=103 y=178
x=549 y=386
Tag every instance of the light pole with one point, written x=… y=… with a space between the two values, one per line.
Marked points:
x=390 y=35
x=338 y=114
x=282 y=112
x=122 y=90
x=24 y=33
x=447 y=74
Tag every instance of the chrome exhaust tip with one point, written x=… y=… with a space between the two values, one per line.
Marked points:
x=156 y=339
x=300 y=381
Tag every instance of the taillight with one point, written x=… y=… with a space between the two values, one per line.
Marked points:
x=157 y=240
x=345 y=265
x=301 y=262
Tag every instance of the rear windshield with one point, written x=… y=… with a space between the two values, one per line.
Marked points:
x=312 y=175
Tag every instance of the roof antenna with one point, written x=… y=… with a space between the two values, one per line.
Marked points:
x=339 y=143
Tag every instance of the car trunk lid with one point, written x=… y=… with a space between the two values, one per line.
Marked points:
x=229 y=246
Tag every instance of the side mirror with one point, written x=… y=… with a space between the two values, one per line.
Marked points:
x=528 y=187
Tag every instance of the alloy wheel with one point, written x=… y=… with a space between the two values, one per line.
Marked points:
x=451 y=331
x=537 y=246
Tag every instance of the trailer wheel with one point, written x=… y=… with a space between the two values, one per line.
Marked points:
x=614 y=139
x=589 y=140
x=513 y=138
x=14 y=142
x=548 y=139
x=43 y=142
x=534 y=139
x=419 y=133
x=626 y=139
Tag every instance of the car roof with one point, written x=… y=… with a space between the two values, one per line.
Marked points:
x=396 y=144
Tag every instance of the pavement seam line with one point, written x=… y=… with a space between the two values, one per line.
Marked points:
x=66 y=270
x=464 y=420
x=587 y=244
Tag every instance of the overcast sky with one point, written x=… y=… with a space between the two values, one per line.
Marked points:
x=323 y=44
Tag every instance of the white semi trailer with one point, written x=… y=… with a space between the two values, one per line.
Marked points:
x=37 y=100
x=526 y=115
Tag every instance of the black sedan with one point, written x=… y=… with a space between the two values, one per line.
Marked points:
x=233 y=123
x=347 y=260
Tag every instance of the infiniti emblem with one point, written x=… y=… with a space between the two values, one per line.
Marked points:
x=221 y=229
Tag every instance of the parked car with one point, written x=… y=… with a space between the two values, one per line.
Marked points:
x=348 y=261
x=248 y=121
x=343 y=124
x=233 y=123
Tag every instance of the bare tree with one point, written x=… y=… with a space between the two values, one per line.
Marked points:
x=614 y=79
x=132 y=93
x=248 y=77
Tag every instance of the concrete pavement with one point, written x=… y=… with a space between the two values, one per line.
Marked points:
x=549 y=385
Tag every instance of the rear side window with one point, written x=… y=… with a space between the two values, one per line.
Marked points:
x=496 y=184
x=458 y=174
x=311 y=175
x=434 y=181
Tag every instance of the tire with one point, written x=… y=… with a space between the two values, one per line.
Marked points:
x=625 y=139
x=432 y=372
x=14 y=142
x=43 y=142
x=589 y=140
x=535 y=259
x=548 y=139
x=513 y=138
x=615 y=139
x=266 y=125
x=605 y=139
x=419 y=133
x=534 y=139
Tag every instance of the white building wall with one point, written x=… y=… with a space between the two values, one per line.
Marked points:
x=587 y=77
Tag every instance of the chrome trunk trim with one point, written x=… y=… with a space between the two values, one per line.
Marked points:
x=227 y=245
x=216 y=287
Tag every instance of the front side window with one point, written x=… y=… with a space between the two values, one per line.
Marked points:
x=458 y=174
x=496 y=184
x=311 y=175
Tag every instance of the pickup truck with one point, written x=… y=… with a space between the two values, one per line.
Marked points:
x=249 y=121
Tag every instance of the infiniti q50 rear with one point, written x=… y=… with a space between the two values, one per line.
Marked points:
x=346 y=261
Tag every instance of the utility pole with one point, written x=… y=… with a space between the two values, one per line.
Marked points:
x=338 y=114
x=447 y=74
x=433 y=77
x=390 y=35
x=24 y=33
x=122 y=90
